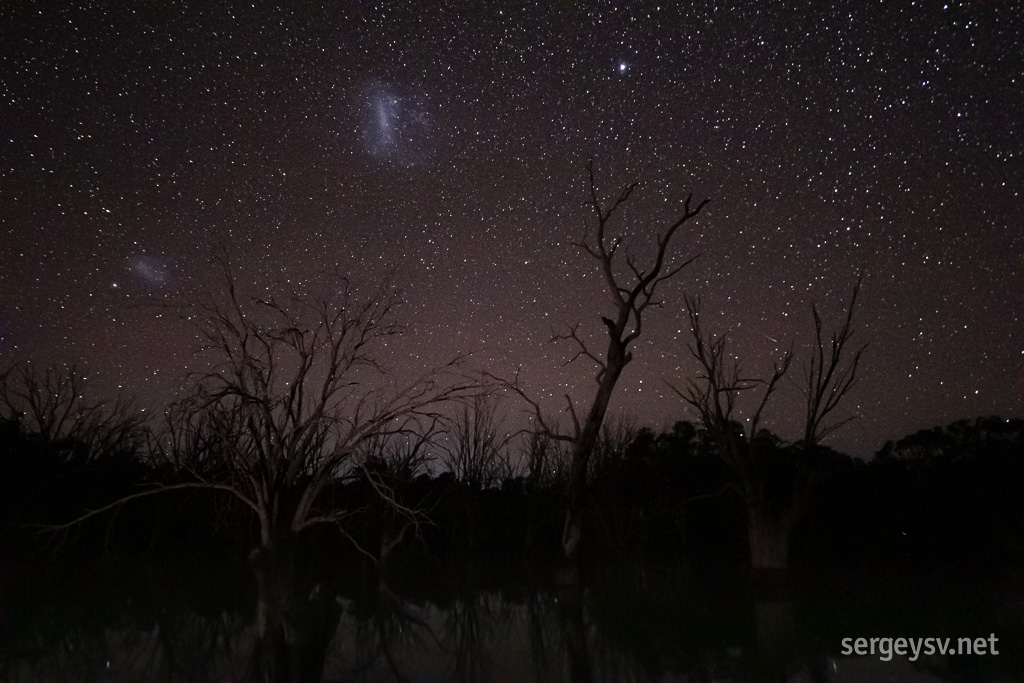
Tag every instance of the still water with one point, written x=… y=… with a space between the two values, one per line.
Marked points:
x=147 y=622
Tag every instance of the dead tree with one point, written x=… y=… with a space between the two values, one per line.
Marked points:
x=476 y=450
x=631 y=288
x=713 y=396
x=395 y=461
x=292 y=403
x=754 y=457
x=294 y=392
x=54 y=405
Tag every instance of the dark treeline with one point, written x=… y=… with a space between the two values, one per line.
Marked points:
x=101 y=517
x=945 y=494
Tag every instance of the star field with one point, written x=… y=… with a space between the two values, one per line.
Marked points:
x=447 y=148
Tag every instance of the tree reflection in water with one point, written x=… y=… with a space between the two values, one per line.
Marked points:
x=634 y=624
x=176 y=646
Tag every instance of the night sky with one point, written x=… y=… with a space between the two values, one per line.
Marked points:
x=446 y=144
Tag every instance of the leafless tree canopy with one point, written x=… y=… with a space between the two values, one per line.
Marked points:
x=295 y=397
x=476 y=450
x=632 y=294
x=54 y=404
x=296 y=392
x=829 y=375
x=713 y=393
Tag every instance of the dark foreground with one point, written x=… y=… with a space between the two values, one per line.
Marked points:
x=191 y=619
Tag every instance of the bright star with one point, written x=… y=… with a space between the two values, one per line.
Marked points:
x=622 y=67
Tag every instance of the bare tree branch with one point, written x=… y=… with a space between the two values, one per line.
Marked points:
x=755 y=460
x=830 y=376
x=54 y=404
x=158 y=488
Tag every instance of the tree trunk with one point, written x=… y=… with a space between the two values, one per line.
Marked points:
x=570 y=608
x=294 y=632
x=273 y=565
x=768 y=534
x=572 y=532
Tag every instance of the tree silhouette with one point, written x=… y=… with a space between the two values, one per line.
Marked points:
x=295 y=392
x=477 y=445
x=54 y=406
x=775 y=481
x=631 y=287
x=61 y=448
